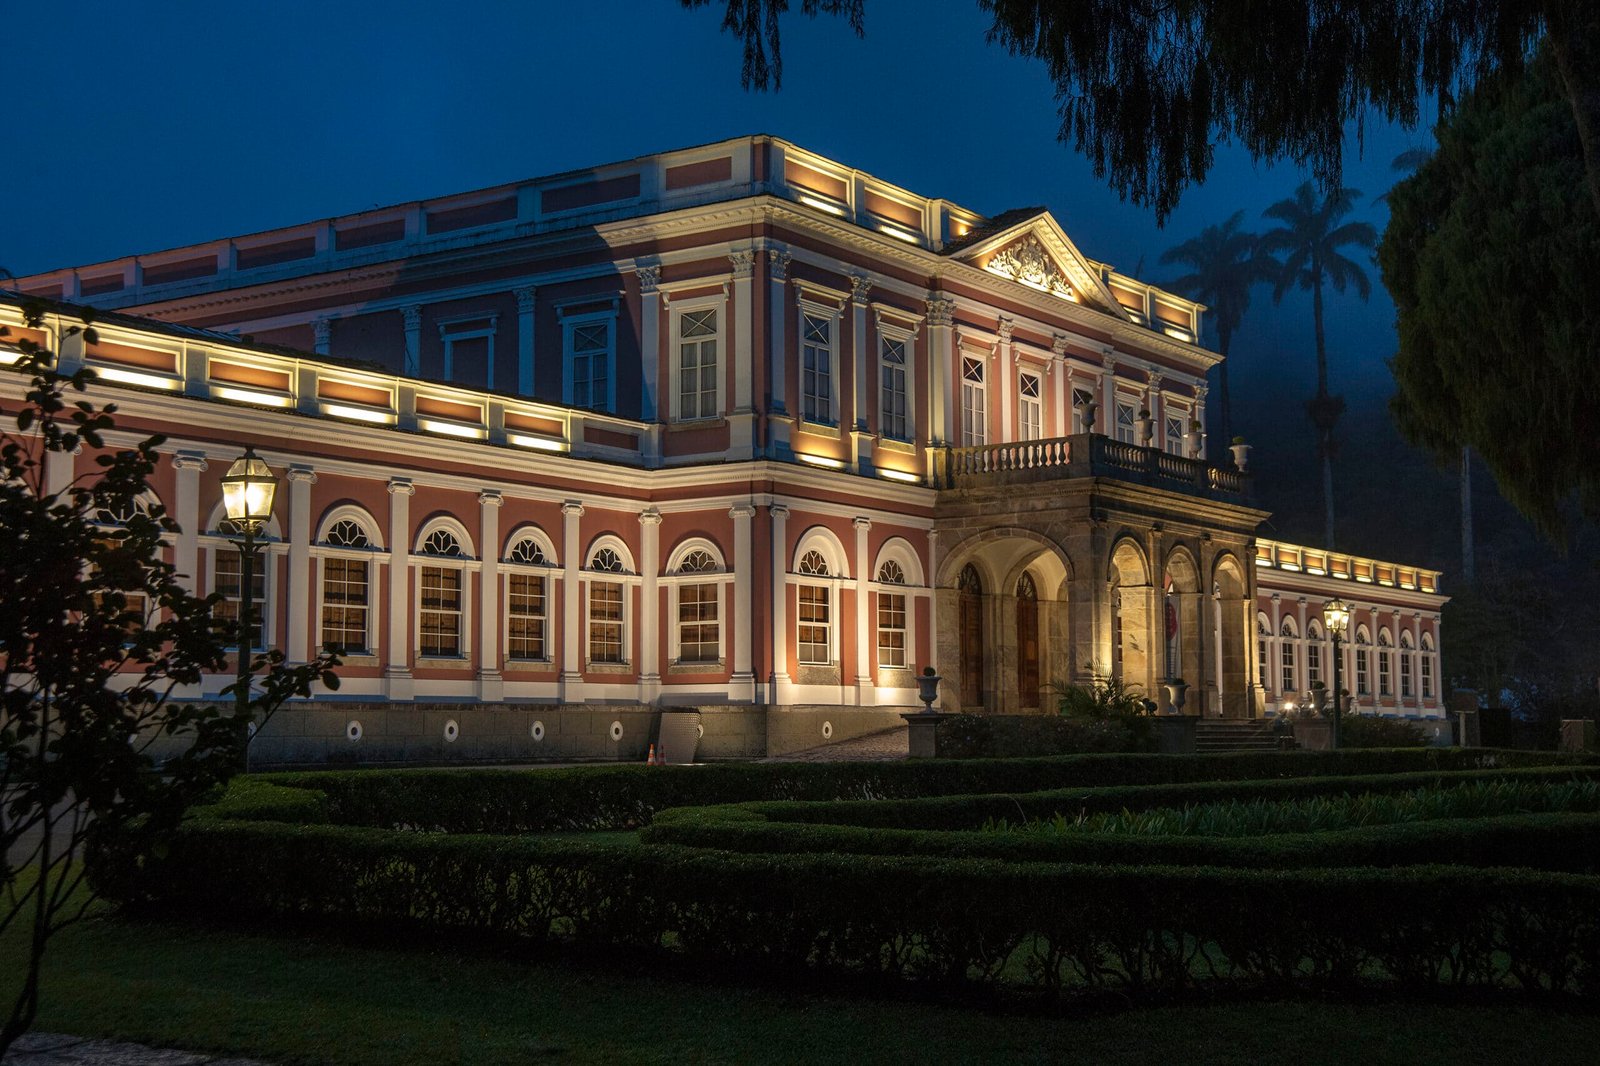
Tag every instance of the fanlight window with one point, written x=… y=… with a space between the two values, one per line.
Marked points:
x=890 y=573
x=348 y=534
x=528 y=552
x=698 y=561
x=812 y=564
x=607 y=561
x=441 y=542
x=121 y=514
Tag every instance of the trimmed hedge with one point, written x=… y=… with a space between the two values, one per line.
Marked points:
x=1560 y=841
x=1045 y=926
x=626 y=797
x=971 y=812
x=975 y=736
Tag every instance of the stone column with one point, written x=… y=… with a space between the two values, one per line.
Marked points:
x=322 y=335
x=860 y=437
x=780 y=596
x=744 y=680
x=526 y=296
x=300 y=598
x=1063 y=387
x=571 y=628
x=397 y=671
x=413 y=321
x=1200 y=417
x=649 y=341
x=866 y=694
x=941 y=347
x=650 y=607
x=185 y=511
x=742 y=419
x=1158 y=412
x=1006 y=380
x=1108 y=396
x=777 y=342
x=491 y=687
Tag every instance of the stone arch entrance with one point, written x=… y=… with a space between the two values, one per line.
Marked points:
x=1132 y=644
x=970 y=628
x=1027 y=643
x=1232 y=626
x=1183 y=629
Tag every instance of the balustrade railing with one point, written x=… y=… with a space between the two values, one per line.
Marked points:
x=1085 y=455
x=1004 y=458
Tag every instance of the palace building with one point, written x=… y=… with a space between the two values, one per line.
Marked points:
x=735 y=427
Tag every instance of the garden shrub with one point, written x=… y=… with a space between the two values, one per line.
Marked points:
x=970 y=736
x=1370 y=731
x=627 y=797
x=252 y=799
x=1050 y=927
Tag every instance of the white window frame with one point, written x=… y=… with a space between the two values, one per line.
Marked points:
x=270 y=546
x=834 y=315
x=1171 y=411
x=1026 y=402
x=1425 y=666
x=570 y=323
x=629 y=580
x=467 y=563
x=719 y=305
x=1363 y=661
x=1263 y=652
x=891 y=334
x=674 y=580
x=974 y=400
x=373 y=555
x=1407 y=667
x=548 y=573
x=821 y=540
x=1130 y=404
x=1289 y=656
x=1386 y=649
x=451 y=330
x=1314 y=649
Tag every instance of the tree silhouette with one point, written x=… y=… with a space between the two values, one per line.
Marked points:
x=1224 y=265
x=1310 y=241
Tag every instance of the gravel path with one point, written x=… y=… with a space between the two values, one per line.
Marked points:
x=885 y=746
x=54 y=1049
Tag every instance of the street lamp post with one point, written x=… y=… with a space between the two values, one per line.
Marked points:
x=247 y=491
x=1336 y=616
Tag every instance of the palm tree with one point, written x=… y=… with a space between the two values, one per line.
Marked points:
x=1310 y=240
x=1224 y=266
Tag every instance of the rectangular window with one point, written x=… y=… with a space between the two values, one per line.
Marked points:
x=892 y=630
x=816 y=385
x=525 y=617
x=974 y=403
x=1287 y=657
x=1383 y=674
x=1363 y=683
x=895 y=422
x=1314 y=661
x=227 y=582
x=440 y=621
x=605 y=622
x=1405 y=675
x=1427 y=676
x=589 y=360
x=469 y=351
x=699 y=632
x=1030 y=417
x=135 y=605
x=1127 y=424
x=697 y=364
x=344 y=605
x=1175 y=433
x=1263 y=664
x=815 y=619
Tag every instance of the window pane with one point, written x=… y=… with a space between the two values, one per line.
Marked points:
x=698 y=629
x=605 y=622
x=891 y=630
x=439 y=619
x=344 y=605
x=525 y=609
x=813 y=625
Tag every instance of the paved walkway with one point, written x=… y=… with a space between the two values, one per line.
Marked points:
x=53 y=1049
x=884 y=746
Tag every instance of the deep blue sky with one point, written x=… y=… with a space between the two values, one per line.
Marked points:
x=163 y=124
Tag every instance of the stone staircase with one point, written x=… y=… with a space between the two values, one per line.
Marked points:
x=1233 y=734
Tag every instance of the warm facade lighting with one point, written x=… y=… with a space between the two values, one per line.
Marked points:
x=358 y=414
x=820 y=460
x=822 y=205
x=135 y=377
x=1179 y=333
x=900 y=234
x=261 y=399
x=247 y=491
x=1336 y=616
x=899 y=475
x=544 y=444
x=450 y=429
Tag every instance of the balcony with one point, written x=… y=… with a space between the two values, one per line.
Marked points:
x=1085 y=455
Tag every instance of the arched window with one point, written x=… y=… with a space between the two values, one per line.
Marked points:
x=891 y=617
x=1407 y=656
x=816 y=615
x=113 y=518
x=119 y=514
x=527 y=600
x=347 y=588
x=1363 y=661
x=698 y=561
x=1313 y=653
x=441 y=542
x=812 y=564
x=1263 y=650
x=1427 y=667
x=697 y=578
x=441 y=600
x=1287 y=657
x=607 y=607
x=1385 y=684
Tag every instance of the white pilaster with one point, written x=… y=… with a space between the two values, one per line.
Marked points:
x=526 y=298
x=413 y=322
x=60 y=469
x=1200 y=417
x=301 y=478
x=777 y=338
x=1063 y=388
x=866 y=694
x=571 y=630
x=1158 y=412
x=650 y=604
x=491 y=688
x=744 y=680
x=397 y=671
x=1108 y=396
x=1007 y=380
x=780 y=597
x=185 y=511
x=941 y=358
x=742 y=420
x=649 y=341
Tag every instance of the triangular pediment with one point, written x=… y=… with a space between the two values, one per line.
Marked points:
x=1036 y=252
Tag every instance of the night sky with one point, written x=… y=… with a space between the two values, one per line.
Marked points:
x=160 y=125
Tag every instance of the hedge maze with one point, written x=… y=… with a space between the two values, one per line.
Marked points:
x=1145 y=875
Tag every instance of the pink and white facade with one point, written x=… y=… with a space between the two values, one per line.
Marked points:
x=733 y=427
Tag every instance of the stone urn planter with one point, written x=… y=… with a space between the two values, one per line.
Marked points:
x=1195 y=441
x=924 y=739
x=1177 y=692
x=1086 y=413
x=1319 y=699
x=928 y=689
x=1241 y=453
x=1147 y=427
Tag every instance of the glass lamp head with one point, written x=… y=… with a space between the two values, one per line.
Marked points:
x=247 y=491
x=1336 y=616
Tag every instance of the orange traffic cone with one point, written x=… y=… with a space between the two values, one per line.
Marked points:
x=650 y=760
x=661 y=755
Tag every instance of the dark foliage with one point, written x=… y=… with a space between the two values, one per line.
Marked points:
x=1370 y=731
x=971 y=736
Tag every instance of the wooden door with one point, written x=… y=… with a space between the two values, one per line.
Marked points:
x=1027 y=643
x=971 y=634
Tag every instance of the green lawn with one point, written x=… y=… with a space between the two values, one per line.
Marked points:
x=299 y=999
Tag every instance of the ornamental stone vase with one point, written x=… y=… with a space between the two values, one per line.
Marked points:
x=1241 y=455
x=1196 y=443
x=928 y=691
x=1177 y=692
x=1147 y=428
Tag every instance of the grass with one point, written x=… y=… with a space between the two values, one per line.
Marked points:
x=295 y=998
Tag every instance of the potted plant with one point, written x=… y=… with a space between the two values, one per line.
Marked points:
x=1241 y=453
x=1147 y=426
